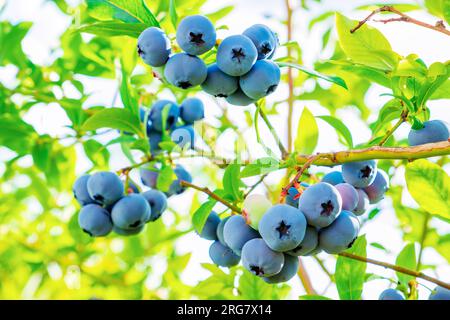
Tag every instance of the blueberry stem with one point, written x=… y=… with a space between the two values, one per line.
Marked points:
x=403 y=118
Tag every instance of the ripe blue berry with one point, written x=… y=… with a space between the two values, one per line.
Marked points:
x=149 y=178
x=391 y=294
x=130 y=212
x=220 y=230
x=333 y=178
x=105 y=187
x=196 y=35
x=191 y=110
x=218 y=83
x=440 y=293
x=282 y=227
x=185 y=71
x=432 y=131
x=236 y=55
x=288 y=271
x=239 y=98
x=181 y=174
x=308 y=244
x=378 y=187
x=154 y=139
x=260 y=260
x=261 y=80
x=359 y=174
x=363 y=202
x=263 y=38
x=237 y=232
x=209 y=231
x=80 y=191
x=349 y=196
x=294 y=195
x=341 y=234
x=321 y=203
x=95 y=220
x=154 y=47
x=156 y=115
x=157 y=202
x=128 y=232
x=223 y=256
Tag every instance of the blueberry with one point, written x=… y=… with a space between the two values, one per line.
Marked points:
x=254 y=208
x=80 y=191
x=132 y=188
x=157 y=202
x=154 y=47
x=185 y=71
x=341 y=234
x=156 y=115
x=128 y=232
x=277 y=43
x=239 y=99
x=315 y=251
x=105 y=187
x=223 y=256
x=308 y=244
x=363 y=203
x=333 y=178
x=218 y=83
x=237 y=232
x=196 y=35
x=154 y=139
x=220 y=230
x=432 y=131
x=391 y=294
x=282 y=227
x=293 y=195
x=261 y=80
x=181 y=174
x=349 y=196
x=440 y=293
x=149 y=178
x=191 y=110
x=359 y=174
x=260 y=260
x=263 y=38
x=95 y=220
x=130 y=212
x=288 y=271
x=209 y=231
x=321 y=204
x=378 y=187
x=184 y=136
x=236 y=55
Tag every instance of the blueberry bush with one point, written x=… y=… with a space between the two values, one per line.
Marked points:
x=220 y=136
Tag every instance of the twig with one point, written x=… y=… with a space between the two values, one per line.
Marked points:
x=253 y=187
x=304 y=278
x=290 y=99
x=211 y=194
x=263 y=115
x=389 y=133
x=439 y=26
x=324 y=268
x=300 y=171
x=413 y=273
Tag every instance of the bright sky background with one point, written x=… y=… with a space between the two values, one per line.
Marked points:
x=49 y=23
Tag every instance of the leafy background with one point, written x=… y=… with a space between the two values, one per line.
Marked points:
x=54 y=78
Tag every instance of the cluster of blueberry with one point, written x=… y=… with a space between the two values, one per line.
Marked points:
x=439 y=293
x=269 y=238
x=432 y=131
x=107 y=206
x=190 y=111
x=243 y=72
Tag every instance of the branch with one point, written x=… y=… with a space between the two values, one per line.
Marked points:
x=290 y=99
x=395 y=153
x=211 y=194
x=413 y=273
x=439 y=26
x=389 y=133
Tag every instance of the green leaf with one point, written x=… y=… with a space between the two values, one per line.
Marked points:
x=115 y=118
x=340 y=127
x=307 y=133
x=260 y=166
x=124 y=10
x=407 y=259
x=350 y=274
x=128 y=98
x=313 y=297
x=253 y=288
x=366 y=46
x=201 y=214
x=165 y=178
x=16 y=134
x=173 y=13
x=336 y=80
x=231 y=181
x=429 y=185
x=113 y=29
x=97 y=153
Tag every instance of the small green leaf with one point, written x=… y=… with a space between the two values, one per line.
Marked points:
x=340 y=127
x=231 y=181
x=201 y=214
x=165 y=178
x=115 y=118
x=128 y=98
x=350 y=274
x=260 y=166
x=173 y=13
x=97 y=153
x=406 y=259
x=307 y=133
x=113 y=29
x=373 y=213
x=429 y=185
